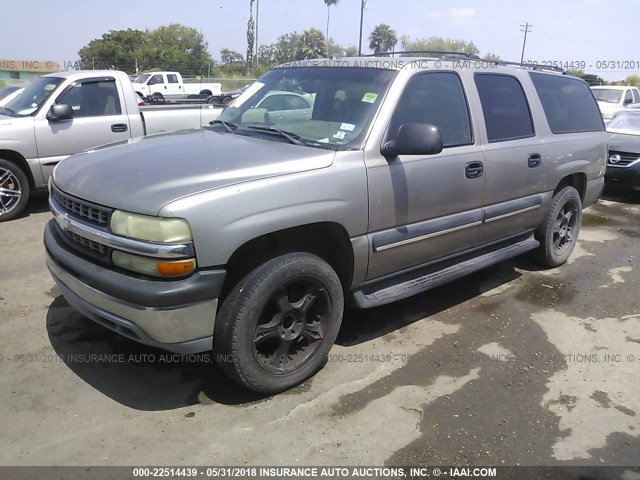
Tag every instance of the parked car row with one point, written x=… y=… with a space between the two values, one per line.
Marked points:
x=613 y=99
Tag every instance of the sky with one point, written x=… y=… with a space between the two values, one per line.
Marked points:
x=589 y=31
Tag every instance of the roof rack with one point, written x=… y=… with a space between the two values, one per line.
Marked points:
x=473 y=56
x=440 y=53
x=531 y=65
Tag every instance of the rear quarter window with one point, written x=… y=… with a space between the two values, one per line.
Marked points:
x=568 y=104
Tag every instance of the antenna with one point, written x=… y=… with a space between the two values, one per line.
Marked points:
x=524 y=43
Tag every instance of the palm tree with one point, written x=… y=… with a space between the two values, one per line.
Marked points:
x=312 y=44
x=328 y=3
x=383 y=39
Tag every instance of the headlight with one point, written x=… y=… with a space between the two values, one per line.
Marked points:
x=152 y=229
x=607 y=115
x=152 y=266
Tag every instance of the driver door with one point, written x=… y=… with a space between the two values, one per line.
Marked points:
x=425 y=208
x=98 y=119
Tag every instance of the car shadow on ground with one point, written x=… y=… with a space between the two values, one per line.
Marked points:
x=621 y=196
x=359 y=326
x=38 y=203
x=133 y=374
x=146 y=378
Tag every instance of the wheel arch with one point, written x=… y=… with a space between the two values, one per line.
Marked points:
x=18 y=160
x=328 y=240
x=575 y=180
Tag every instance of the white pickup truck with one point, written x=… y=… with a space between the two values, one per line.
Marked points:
x=170 y=86
x=65 y=113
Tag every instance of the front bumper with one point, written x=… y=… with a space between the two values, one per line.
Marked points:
x=175 y=315
x=623 y=176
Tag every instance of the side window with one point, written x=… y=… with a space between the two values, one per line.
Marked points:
x=504 y=104
x=628 y=98
x=568 y=104
x=437 y=99
x=636 y=95
x=92 y=99
x=291 y=102
x=172 y=78
x=156 y=79
x=273 y=103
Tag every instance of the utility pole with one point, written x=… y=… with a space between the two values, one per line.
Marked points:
x=362 y=7
x=524 y=43
x=257 y=31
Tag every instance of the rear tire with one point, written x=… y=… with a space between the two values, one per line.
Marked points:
x=558 y=233
x=14 y=190
x=277 y=325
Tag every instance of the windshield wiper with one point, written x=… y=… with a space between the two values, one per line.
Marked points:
x=5 y=109
x=229 y=127
x=292 y=137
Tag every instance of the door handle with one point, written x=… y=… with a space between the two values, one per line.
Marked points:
x=535 y=160
x=165 y=87
x=119 y=127
x=474 y=169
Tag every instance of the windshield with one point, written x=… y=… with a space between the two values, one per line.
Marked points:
x=330 y=107
x=8 y=90
x=142 y=78
x=627 y=121
x=608 y=95
x=29 y=101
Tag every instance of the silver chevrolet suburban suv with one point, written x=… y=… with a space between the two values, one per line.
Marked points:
x=392 y=177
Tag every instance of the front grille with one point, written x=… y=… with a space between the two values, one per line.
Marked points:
x=625 y=158
x=82 y=209
x=88 y=244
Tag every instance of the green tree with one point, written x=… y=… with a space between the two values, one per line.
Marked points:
x=170 y=47
x=491 y=57
x=329 y=3
x=633 y=80
x=312 y=45
x=177 y=47
x=439 y=44
x=230 y=56
x=383 y=39
x=592 y=79
x=285 y=49
x=117 y=49
x=342 y=51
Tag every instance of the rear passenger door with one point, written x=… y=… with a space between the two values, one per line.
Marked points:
x=514 y=156
x=173 y=84
x=424 y=208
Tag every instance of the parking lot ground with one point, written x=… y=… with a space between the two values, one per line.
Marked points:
x=512 y=365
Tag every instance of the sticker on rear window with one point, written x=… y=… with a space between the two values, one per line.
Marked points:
x=349 y=127
x=370 y=97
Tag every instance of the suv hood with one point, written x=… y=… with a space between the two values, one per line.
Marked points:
x=144 y=174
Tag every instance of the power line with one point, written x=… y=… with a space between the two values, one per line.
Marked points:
x=524 y=43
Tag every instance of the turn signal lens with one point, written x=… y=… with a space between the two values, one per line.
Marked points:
x=151 y=266
x=176 y=269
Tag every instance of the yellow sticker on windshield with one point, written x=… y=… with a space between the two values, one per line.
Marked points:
x=370 y=97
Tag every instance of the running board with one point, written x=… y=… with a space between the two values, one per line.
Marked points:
x=413 y=286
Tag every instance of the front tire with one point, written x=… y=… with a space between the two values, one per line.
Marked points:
x=14 y=190
x=558 y=233
x=277 y=325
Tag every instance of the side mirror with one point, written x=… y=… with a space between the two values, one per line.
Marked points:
x=628 y=101
x=59 y=112
x=414 y=139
